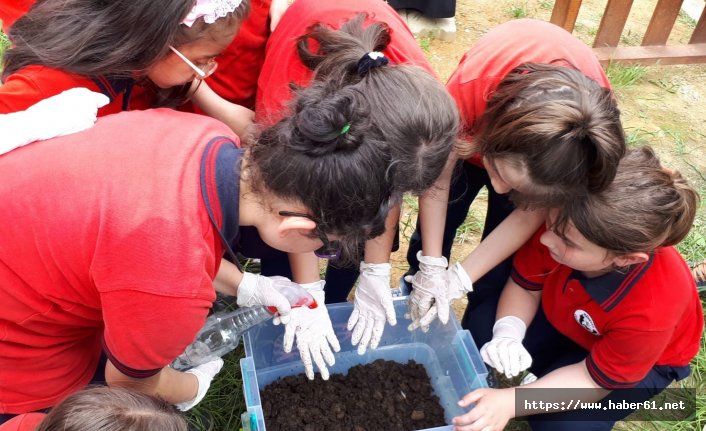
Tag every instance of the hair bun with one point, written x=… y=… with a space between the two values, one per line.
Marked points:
x=331 y=121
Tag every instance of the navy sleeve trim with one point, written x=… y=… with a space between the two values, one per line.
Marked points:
x=523 y=282
x=131 y=372
x=602 y=378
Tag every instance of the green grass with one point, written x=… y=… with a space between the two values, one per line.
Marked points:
x=622 y=77
x=424 y=44
x=518 y=11
x=4 y=44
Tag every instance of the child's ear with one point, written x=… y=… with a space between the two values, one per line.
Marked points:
x=291 y=224
x=631 y=259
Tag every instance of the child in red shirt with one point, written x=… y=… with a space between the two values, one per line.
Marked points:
x=539 y=124
x=616 y=295
x=138 y=53
x=99 y=258
x=335 y=45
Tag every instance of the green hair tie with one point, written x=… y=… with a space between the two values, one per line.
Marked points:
x=345 y=129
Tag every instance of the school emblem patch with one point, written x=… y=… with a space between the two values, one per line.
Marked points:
x=586 y=322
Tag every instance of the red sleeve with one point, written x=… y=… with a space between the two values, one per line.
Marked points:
x=155 y=278
x=624 y=356
x=34 y=83
x=532 y=263
x=145 y=332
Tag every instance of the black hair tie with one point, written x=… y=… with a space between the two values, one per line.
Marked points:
x=370 y=60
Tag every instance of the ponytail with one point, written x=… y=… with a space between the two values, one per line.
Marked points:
x=561 y=124
x=412 y=110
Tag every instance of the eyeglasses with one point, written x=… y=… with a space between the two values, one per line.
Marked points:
x=202 y=70
x=330 y=249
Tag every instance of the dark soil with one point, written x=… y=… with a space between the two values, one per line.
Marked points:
x=383 y=395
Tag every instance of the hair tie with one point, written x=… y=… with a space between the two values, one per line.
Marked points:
x=210 y=10
x=345 y=128
x=371 y=60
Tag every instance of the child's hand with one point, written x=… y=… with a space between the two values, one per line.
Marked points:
x=315 y=337
x=372 y=306
x=493 y=410
x=505 y=351
x=204 y=375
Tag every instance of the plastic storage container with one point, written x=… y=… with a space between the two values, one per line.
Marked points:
x=447 y=352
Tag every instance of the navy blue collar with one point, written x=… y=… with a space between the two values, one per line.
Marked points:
x=113 y=87
x=609 y=289
x=220 y=166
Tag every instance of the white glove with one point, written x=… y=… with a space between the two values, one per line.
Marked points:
x=372 y=306
x=459 y=285
x=505 y=351
x=314 y=333
x=429 y=287
x=204 y=374
x=69 y=112
x=256 y=289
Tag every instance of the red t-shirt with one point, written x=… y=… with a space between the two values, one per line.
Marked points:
x=283 y=65
x=34 y=83
x=25 y=422
x=239 y=65
x=12 y=10
x=105 y=240
x=629 y=322
x=504 y=48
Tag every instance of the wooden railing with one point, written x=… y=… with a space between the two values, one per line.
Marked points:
x=654 y=48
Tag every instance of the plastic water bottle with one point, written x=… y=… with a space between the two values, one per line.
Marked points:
x=221 y=334
x=222 y=331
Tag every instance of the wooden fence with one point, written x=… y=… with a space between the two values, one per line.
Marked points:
x=654 y=48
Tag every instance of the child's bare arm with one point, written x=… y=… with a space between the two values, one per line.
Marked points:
x=239 y=118
x=502 y=242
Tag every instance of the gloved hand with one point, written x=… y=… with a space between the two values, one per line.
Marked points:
x=204 y=374
x=69 y=112
x=256 y=289
x=505 y=351
x=429 y=285
x=459 y=285
x=314 y=333
x=372 y=306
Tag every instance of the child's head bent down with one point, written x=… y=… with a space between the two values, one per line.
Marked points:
x=124 y=38
x=549 y=134
x=645 y=207
x=409 y=107
x=329 y=156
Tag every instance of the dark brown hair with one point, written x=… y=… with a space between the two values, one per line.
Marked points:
x=112 y=409
x=341 y=176
x=563 y=126
x=410 y=107
x=644 y=208
x=112 y=38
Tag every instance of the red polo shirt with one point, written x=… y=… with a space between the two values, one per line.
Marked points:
x=106 y=241
x=34 y=83
x=283 y=66
x=504 y=48
x=650 y=315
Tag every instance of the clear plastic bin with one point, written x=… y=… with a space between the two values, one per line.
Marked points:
x=447 y=352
